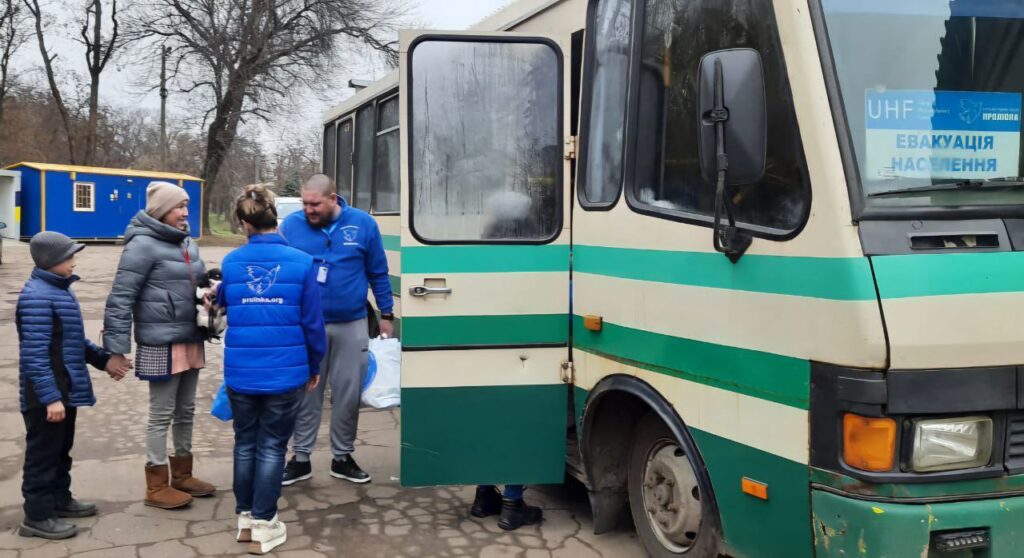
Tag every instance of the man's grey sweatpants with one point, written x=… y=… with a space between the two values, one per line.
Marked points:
x=344 y=367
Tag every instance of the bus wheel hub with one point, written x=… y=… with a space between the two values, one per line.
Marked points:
x=671 y=496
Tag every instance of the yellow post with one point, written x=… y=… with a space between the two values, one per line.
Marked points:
x=42 y=200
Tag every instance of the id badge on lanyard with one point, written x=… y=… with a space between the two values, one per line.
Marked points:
x=322 y=267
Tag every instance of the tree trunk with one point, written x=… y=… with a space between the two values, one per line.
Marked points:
x=90 y=137
x=54 y=89
x=219 y=137
x=95 y=67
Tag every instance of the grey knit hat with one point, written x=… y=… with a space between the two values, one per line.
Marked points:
x=51 y=248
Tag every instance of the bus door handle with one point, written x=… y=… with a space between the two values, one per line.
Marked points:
x=423 y=290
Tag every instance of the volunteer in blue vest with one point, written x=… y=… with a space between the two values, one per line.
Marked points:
x=272 y=352
x=348 y=259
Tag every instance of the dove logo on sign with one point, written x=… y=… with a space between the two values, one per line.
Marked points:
x=261 y=281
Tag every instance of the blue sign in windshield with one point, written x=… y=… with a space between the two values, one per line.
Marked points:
x=944 y=8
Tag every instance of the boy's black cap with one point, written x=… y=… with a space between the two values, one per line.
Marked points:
x=50 y=248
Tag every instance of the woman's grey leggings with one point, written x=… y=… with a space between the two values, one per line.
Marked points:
x=172 y=403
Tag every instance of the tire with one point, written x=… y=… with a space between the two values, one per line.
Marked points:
x=657 y=456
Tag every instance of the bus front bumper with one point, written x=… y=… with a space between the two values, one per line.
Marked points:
x=848 y=527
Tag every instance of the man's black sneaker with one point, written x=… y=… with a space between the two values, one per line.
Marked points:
x=346 y=468
x=74 y=508
x=515 y=514
x=296 y=471
x=52 y=529
x=487 y=502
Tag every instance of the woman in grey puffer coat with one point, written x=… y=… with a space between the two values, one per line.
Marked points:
x=154 y=290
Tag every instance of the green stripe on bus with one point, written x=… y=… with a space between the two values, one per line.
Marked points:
x=828 y=278
x=529 y=329
x=485 y=259
x=773 y=377
x=396 y=284
x=391 y=242
x=483 y=435
x=785 y=514
x=949 y=274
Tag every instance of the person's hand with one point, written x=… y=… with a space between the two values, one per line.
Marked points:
x=55 y=412
x=118 y=366
x=387 y=329
x=312 y=383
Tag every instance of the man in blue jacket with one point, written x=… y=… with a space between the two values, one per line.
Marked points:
x=348 y=258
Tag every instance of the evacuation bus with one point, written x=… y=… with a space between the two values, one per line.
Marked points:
x=748 y=269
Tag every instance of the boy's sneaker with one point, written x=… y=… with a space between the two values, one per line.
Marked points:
x=74 y=508
x=267 y=535
x=346 y=468
x=487 y=502
x=296 y=471
x=53 y=529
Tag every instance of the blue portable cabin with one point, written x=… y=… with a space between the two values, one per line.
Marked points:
x=93 y=203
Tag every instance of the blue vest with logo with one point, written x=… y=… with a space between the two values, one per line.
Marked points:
x=275 y=326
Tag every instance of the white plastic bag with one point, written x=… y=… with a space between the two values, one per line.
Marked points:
x=385 y=388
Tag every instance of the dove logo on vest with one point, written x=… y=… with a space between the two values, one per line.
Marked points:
x=350 y=234
x=260 y=281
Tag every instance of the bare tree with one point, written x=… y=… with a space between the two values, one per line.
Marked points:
x=12 y=37
x=58 y=99
x=98 y=50
x=243 y=55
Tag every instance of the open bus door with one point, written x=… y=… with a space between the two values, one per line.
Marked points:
x=485 y=259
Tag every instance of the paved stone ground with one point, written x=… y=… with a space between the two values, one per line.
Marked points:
x=326 y=517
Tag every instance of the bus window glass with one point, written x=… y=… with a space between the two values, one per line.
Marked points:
x=486 y=156
x=328 y=155
x=386 y=163
x=365 y=133
x=936 y=109
x=668 y=180
x=344 y=161
x=606 y=116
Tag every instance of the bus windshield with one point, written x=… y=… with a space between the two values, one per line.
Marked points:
x=931 y=91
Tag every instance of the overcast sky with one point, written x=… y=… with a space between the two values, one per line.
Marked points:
x=121 y=81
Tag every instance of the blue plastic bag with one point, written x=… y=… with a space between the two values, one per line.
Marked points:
x=371 y=371
x=221 y=404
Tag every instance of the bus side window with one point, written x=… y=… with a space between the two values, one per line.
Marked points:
x=344 y=162
x=485 y=156
x=667 y=180
x=328 y=154
x=386 y=163
x=365 y=134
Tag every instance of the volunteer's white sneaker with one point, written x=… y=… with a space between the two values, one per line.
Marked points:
x=244 y=527
x=267 y=535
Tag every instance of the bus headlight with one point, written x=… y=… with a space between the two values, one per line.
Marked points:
x=954 y=443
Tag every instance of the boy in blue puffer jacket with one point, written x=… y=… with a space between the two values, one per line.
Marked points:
x=272 y=351
x=54 y=382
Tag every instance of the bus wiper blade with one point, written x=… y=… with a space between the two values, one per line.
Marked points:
x=1001 y=182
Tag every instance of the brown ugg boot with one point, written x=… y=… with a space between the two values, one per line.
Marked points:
x=159 y=494
x=182 y=479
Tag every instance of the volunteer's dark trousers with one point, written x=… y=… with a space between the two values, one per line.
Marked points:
x=46 y=482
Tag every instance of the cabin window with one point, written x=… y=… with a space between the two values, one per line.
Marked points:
x=85 y=196
x=601 y=151
x=329 y=143
x=667 y=179
x=344 y=161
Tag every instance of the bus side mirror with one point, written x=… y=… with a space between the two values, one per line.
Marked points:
x=745 y=122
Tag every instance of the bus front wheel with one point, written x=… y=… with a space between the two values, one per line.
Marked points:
x=671 y=513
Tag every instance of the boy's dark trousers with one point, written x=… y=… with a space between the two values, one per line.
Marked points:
x=46 y=483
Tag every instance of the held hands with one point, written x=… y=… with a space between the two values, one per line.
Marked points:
x=55 y=412
x=312 y=383
x=118 y=366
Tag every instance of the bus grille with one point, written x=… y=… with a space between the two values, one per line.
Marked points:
x=1015 y=443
